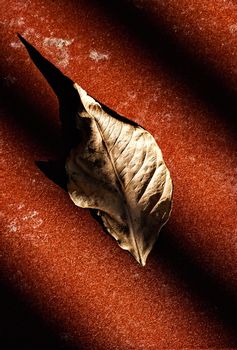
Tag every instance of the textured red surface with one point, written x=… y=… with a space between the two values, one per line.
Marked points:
x=172 y=67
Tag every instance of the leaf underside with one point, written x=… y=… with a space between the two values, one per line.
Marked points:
x=114 y=165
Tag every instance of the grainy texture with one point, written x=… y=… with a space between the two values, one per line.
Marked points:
x=54 y=254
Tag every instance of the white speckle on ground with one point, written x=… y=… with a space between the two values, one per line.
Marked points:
x=191 y=158
x=12 y=227
x=37 y=223
x=30 y=215
x=132 y=95
x=9 y=80
x=13 y=22
x=97 y=56
x=15 y=44
x=30 y=32
x=168 y=116
x=30 y=220
x=33 y=218
x=16 y=21
x=233 y=28
x=62 y=46
x=57 y=42
x=64 y=59
x=175 y=28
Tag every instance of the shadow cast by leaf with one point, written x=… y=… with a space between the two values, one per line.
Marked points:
x=55 y=171
x=64 y=90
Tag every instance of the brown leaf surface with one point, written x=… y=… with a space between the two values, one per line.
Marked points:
x=118 y=168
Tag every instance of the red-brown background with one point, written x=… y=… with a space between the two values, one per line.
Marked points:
x=171 y=66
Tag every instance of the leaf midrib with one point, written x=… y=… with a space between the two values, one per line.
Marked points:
x=121 y=189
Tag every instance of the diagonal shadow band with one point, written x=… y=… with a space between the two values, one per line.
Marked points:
x=209 y=291
x=22 y=327
x=212 y=291
x=203 y=81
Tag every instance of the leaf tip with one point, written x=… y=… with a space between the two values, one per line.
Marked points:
x=141 y=259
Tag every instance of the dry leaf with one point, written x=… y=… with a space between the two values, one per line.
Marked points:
x=116 y=167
